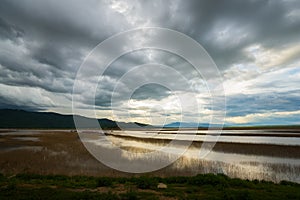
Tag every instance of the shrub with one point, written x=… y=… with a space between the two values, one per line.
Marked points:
x=146 y=182
x=209 y=179
x=288 y=183
x=244 y=195
x=27 y=177
x=177 y=179
x=2 y=177
x=129 y=195
x=104 y=182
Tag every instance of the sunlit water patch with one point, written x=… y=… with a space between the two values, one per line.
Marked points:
x=232 y=164
x=211 y=137
x=33 y=139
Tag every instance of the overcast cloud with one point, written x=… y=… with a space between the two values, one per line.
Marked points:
x=254 y=43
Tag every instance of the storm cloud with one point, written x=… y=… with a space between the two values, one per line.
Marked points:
x=255 y=44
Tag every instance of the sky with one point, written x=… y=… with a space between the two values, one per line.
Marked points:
x=255 y=45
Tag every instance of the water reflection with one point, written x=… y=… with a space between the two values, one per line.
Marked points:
x=183 y=135
x=232 y=164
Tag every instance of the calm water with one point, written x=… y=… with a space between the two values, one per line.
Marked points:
x=210 y=137
x=233 y=164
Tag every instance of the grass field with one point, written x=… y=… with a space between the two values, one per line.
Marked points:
x=209 y=186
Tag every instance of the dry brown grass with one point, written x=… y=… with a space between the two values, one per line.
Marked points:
x=60 y=153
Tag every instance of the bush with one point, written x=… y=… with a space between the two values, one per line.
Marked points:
x=288 y=183
x=177 y=179
x=244 y=195
x=209 y=179
x=27 y=177
x=129 y=195
x=2 y=177
x=104 y=182
x=146 y=182
x=108 y=196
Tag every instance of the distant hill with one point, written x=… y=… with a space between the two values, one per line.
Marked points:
x=47 y=120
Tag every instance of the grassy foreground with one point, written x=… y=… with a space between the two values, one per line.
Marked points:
x=208 y=186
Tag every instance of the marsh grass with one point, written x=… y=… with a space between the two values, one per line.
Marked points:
x=208 y=186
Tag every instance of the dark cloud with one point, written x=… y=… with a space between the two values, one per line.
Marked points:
x=150 y=91
x=43 y=43
x=225 y=28
x=9 y=31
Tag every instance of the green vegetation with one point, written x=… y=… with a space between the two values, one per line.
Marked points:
x=207 y=186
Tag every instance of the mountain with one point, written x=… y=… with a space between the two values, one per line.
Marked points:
x=24 y=119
